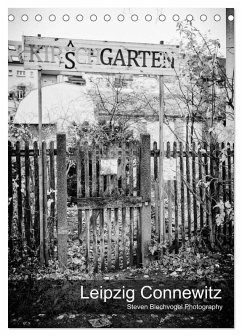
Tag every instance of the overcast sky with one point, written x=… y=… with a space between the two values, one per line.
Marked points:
x=126 y=31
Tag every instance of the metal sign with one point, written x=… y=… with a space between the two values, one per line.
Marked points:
x=61 y=54
x=109 y=166
x=169 y=169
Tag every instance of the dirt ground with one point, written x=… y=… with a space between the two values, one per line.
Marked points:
x=47 y=298
x=58 y=304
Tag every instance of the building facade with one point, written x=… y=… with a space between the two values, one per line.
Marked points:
x=21 y=81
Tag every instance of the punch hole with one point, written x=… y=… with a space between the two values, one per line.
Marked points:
x=107 y=17
x=134 y=17
x=11 y=17
x=93 y=17
x=66 y=17
x=38 y=17
x=217 y=17
x=121 y=17
x=203 y=17
x=79 y=17
x=162 y=17
x=148 y=17
x=189 y=17
x=176 y=17
x=52 y=17
x=231 y=18
x=24 y=17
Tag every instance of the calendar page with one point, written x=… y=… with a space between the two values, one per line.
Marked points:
x=121 y=167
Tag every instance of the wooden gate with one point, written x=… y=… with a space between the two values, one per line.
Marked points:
x=114 y=211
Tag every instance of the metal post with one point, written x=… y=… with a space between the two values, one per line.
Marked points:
x=161 y=146
x=41 y=222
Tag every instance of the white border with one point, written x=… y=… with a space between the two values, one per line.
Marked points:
x=3 y=133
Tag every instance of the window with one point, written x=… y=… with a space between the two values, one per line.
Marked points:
x=119 y=82
x=15 y=58
x=11 y=95
x=11 y=47
x=31 y=74
x=10 y=72
x=77 y=80
x=20 y=94
x=20 y=73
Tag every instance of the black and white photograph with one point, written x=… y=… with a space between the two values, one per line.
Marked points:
x=121 y=141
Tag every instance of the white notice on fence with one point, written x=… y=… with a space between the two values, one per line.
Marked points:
x=169 y=169
x=109 y=166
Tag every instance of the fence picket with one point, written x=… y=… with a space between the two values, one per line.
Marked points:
x=116 y=226
x=86 y=164
x=194 y=188
x=206 y=179
x=123 y=168
x=45 y=210
x=131 y=169
x=10 y=199
x=200 y=172
x=101 y=179
x=109 y=229
x=95 y=249
x=131 y=233
x=176 y=204
x=124 y=237
x=19 y=193
x=52 y=197
x=224 y=191
x=138 y=149
x=188 y=180
x=138 y=226
x=182 y=195
x=27 y=213
x=217 y=188
x=87 y=224
x=230 y=188
x=101 y=220
x=36 y=196
x=212 y=201
x=156 y=185
x=80 y=186
x=168 y=155
x=94 y=172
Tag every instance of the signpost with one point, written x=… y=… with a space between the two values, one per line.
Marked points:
x=40 y=170
x=161 y=146
x=62 y=56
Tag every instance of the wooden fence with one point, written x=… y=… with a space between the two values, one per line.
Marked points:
x=23 y=195
x=202 y=178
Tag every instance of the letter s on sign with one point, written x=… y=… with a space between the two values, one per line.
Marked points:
x=68 y=59
x=142 y=292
